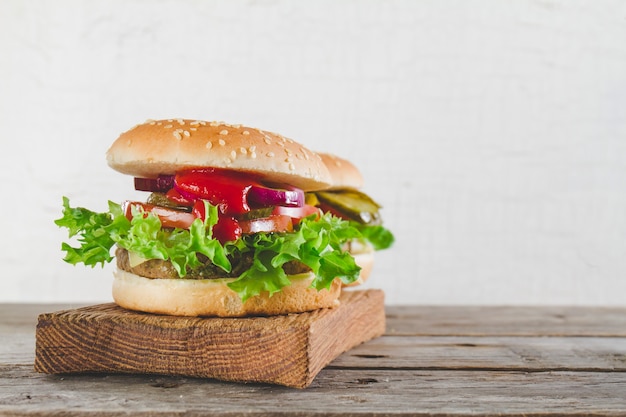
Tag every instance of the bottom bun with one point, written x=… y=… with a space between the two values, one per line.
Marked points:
x=364 y=257
x=366 y=262
x=213 y=297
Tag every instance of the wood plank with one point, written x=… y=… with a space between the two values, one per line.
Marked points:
x=494 y=369
x=438 y=320
x=288 y=350
x=15 y=315
x=17 y=336
x=489 y=353
x=335 y=392
x=506 y=321
x=440 y=352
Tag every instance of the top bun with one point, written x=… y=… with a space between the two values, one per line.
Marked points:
x=168 y=146
x=344 y=173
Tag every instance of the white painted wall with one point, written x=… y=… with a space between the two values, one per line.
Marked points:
x=493 y=132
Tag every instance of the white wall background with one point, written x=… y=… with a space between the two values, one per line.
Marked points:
x=493 y=132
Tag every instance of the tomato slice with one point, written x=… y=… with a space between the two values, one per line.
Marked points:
x=227 y=228
x=230 y=229
x=297 y=213
x=273 y=223
x=169 y=217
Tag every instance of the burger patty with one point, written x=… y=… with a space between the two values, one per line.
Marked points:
x=157 y=268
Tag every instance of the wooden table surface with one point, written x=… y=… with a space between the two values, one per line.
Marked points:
x=432 y=361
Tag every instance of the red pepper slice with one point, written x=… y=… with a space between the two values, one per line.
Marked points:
x=227 y=229
x=176 y=197
x=225 y=190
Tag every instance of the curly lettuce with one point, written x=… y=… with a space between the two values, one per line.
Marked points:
x=316 y=242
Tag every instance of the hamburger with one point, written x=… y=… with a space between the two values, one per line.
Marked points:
x=236 y=222
x=345 y=200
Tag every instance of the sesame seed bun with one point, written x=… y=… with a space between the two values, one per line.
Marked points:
x=344 y=174
x=212 y=297
x=167 y=146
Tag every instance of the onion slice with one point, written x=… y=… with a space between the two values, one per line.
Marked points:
x=162 y=183
x=265 y=197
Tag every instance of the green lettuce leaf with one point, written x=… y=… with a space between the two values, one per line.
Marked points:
x=378 y=236
x=316 y=243
x=96 y=232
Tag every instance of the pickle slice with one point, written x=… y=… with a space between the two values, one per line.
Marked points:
x=311 y=199
x=160 y=199
x=257 y=213
x=354 y=204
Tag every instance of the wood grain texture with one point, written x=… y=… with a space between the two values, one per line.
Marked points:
x=555 y=372
x=515 y=354
x=424 y=320
x=287 y=350
x=506 y=321
x=335 y=392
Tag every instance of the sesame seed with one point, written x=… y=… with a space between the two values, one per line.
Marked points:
x=245 y=132
x=281 y=144
x=270 y=154
x=288 y=152
x=186 y=133
x=224 y=132
x=193 y=129
x=168 y=126
x=214 y=124
x=129 y=142
x=253 y=155
x=288 y=159
x=292 y=166
x=209 y=145
x=267 y=140
x=222 y=142
x=170 y=120
x=177 y=134
x=159 y=123
x=233 y=155
x=195 y=123
x=202 y=123
x=252 y=148
x=243 y=150
x=180 y=121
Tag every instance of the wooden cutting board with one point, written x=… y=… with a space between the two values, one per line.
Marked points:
x=286 y=350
